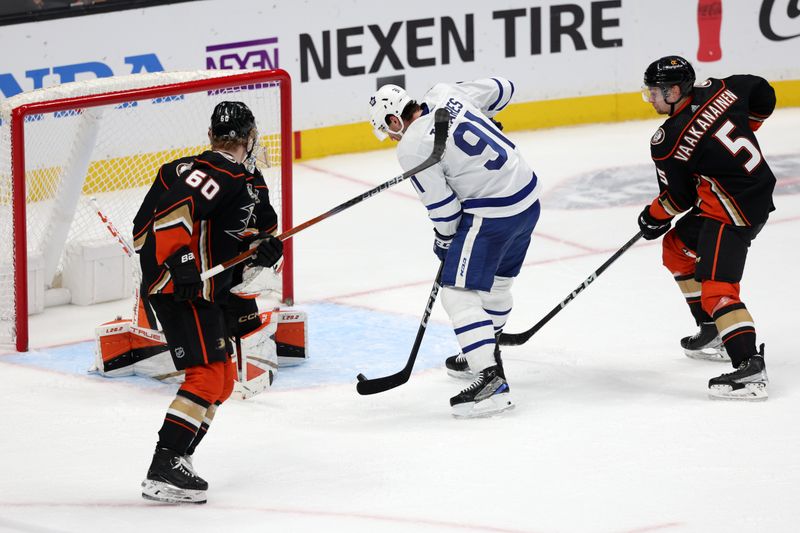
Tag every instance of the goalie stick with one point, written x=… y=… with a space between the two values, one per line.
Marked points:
x=515 y=339
x=112 y=229
x=143 y=314
x=138 y=301
x=441 y=124
x=372 y=386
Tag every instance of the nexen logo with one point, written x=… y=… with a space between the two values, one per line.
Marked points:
x=11 y=85
x=259 y=53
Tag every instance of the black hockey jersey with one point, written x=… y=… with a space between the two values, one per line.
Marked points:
x=207 y=202
x=706 y=153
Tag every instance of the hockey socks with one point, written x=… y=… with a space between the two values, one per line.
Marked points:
x=737 y=331
x=182 y=422
x=209 y=416
x=692 y=290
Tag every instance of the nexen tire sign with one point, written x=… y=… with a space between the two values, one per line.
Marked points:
x=429 y=42
x=337 y=51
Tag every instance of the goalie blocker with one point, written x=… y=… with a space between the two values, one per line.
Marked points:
x=125 y=349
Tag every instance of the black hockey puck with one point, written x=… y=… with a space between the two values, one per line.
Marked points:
x=361 y=377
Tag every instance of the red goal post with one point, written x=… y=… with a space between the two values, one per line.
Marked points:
x=68 y=148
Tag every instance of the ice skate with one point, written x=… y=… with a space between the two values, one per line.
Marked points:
x=171 y=479
x=705 y=344
x=458 y=367
x=748 y=382
x=489 y=394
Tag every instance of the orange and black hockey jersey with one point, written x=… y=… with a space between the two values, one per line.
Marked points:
x=707 y=155
x=207 y=202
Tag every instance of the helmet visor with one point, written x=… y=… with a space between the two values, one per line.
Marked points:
x=652 y=93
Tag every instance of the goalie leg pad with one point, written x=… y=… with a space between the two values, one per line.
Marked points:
x=258 y=361
x=123 y=349
x=291 y=337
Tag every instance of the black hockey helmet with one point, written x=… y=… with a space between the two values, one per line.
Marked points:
x=232 y=121
x=669 y=71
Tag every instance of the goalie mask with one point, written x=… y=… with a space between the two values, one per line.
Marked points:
x=388 y=100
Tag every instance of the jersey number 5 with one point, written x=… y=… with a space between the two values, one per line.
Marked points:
x=734 y=146
x=485 y=136
x=208 y=187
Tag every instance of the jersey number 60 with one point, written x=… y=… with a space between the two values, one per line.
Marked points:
x=209 y=187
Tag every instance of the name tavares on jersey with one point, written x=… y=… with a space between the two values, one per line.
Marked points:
x=453 y=106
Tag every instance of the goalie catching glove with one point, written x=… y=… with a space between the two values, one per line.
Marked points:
x=186 y=280
x=651 y=227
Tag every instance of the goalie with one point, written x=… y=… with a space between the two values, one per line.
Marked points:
x=200 y=212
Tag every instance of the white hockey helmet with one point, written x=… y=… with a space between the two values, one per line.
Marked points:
x=388 y=100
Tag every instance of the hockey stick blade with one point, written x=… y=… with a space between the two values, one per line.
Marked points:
x=440 y=127
x=515 y=339
x=367 y=386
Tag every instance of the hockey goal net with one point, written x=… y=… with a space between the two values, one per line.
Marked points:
x=67 y=150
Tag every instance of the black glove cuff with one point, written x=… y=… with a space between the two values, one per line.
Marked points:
x=442 y=237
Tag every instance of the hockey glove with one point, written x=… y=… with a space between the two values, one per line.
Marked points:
x=185 y=276
x=652 y=228
x=441 y=245
x=268 y=252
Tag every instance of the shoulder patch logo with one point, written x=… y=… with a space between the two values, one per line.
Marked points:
x=657 y=137
x=183 y=167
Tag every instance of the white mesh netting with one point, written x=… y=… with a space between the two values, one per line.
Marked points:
x=112 y=153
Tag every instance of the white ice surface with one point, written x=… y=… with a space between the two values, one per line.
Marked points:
x=612 y=432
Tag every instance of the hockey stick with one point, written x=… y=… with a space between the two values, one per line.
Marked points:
x=442 y=122
x=372 y=386
x=515 y=339
x=138 y=300
x=112 y=229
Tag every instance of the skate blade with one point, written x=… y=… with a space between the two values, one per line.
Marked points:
x=709 y=354
x=751 y=392
x=489 y=407
x=158 y=491
x=461 y=374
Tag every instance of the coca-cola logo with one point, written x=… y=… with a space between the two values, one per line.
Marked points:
x=709 y=22
x=779 y=24
x=779 y=20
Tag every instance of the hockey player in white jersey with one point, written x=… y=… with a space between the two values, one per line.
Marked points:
x=483 y=201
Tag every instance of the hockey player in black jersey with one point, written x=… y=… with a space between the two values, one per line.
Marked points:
x=196 y=215
x=709 y=165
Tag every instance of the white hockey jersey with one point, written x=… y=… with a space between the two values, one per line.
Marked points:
x=482 y=172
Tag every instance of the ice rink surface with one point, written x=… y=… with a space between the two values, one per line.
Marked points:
x=612 y=431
